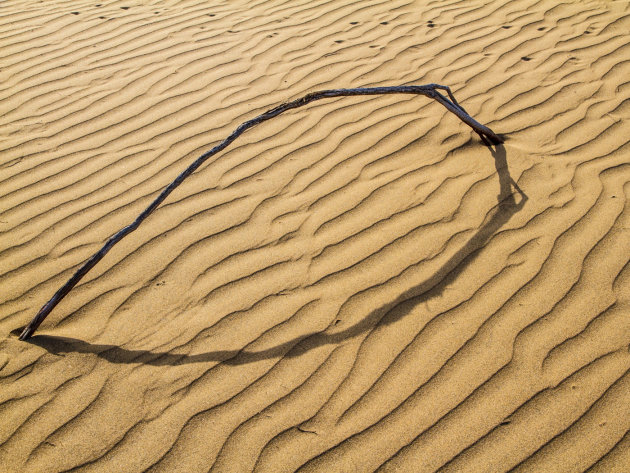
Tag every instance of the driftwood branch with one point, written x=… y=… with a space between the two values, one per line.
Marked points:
x=430 y=90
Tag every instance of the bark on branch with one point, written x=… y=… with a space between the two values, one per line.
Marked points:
x=429 y=90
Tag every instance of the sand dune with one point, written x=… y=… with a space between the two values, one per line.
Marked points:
x=356 y=285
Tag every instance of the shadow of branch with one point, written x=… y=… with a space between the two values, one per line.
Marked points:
x=506 y=207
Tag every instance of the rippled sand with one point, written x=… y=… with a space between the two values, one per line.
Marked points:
x=356 y=285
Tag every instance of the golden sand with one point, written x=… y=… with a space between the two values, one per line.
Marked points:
x=356 y=285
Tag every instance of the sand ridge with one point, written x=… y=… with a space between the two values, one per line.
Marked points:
x=357 y=285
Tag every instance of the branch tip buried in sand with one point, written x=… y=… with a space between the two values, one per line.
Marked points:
x=429 y=90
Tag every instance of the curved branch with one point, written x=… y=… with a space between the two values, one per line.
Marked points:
x=429 y=90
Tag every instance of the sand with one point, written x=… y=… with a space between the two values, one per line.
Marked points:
x=356 y=285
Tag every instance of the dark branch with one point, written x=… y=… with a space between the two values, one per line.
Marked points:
x=430 y=90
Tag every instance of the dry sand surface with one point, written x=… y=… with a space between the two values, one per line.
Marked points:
x=356 y=285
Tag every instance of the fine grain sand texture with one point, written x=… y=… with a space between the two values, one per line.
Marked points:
x=356 y=285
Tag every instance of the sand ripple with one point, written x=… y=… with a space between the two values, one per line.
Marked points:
x=359 y=285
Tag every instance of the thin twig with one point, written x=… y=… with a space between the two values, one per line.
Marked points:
x=429 y=90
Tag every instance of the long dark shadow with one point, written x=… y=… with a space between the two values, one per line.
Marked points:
x=506 y=207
